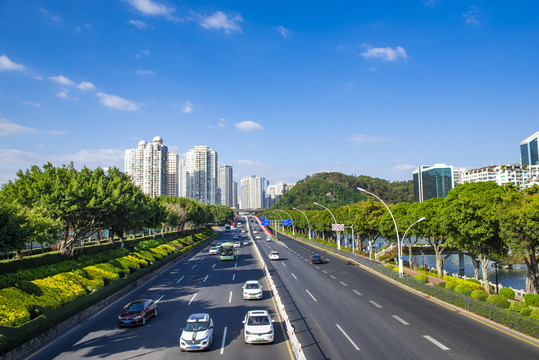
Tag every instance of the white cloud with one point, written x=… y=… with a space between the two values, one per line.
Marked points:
x=284 y=32
x=248 y=162
x=8 y=65
x=221 y=21
x=8 y=128
x=62 y=94
x=50 y=15
x=387 y=53
x=145 y=72
x=151 y=7
x=248 y=126
x=143 y=53
x=138 y=23
x=99 y=156
x=367 y=139
x=471 y=17
x=85 y=85
x=431 y=3
x=187 y=107
x=404 y=168
x=60 y=79
x=116 y=102
x=221 y=123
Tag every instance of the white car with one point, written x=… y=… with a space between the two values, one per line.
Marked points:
x=274 y=255
x=198 y=333
x=258 y=327
x=237 y=244
x=214 y=250
x=254 y=231
x=268 y=239
x=245 y=242
x=252 y=290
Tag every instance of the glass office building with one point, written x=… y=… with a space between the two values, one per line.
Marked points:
x=432 y=181
x=529 y=150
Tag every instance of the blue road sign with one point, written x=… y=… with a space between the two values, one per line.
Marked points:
x=265 y=223
x=287 y=221
x=262 y=218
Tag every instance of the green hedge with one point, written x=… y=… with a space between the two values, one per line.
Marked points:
x=507 y=293
x=474 y=284
x=464 y=289
x=532 y=299
x=535 y=314
x=481 y=295
x=518 y=306
x=498 y=300
x=422 y=277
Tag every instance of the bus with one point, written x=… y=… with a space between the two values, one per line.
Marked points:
x=226 y=251
x=227 y=227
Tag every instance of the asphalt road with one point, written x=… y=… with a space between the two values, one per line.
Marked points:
x=197 y=283
x=341 y=311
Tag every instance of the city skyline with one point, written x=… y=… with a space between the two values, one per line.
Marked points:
x=281 y=90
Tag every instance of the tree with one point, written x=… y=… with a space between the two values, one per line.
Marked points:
x=365 y=217
x=471 y=213
x=519 y=225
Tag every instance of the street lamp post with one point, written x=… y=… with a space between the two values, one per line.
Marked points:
x=280 y=217
x=308 y=224
x=404 y=236
x=399 y=250
x=335 y=222
x=293 y=233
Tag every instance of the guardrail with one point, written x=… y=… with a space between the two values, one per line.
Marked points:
x=296 y=346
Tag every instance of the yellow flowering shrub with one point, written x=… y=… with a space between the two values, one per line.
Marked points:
x=13 y=315
x=100 y=271
x=128 y=262
x=58 y=290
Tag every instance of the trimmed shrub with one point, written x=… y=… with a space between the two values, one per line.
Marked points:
x=535 y=314
x=451 y=285
x=475 y=285
x=498 y=300
x=58 y=290
x=464 y=289
x=507 y=293
x=481 y=295
x=473 y=281
x=532 y=299
x=396 y=268
x=442 y=284
x=420 y=268
x=526 y=311
x=517 y=306
x=421 y=277
x=389 y=266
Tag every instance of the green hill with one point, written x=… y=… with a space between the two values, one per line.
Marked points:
x=334 y=189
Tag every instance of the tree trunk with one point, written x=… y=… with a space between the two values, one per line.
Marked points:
x=475 y=264
x=532 y=276
x=483 y=258
x=410 y=256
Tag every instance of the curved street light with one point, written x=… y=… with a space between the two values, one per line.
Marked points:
x=399 y=250
x=409 y=227
x=276 y=220
x=308 y=224
x=335 y=222
x=291 y=220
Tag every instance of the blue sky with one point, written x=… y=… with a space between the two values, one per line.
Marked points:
x=280 y=89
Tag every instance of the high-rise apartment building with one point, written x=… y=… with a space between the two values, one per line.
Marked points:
x=226 y=184
x=529 y=150
x=173 y=173
x=501 y=174
x=201 y=175
x=148 y=166
x=275 y=192
x=432 y=181
x=253 y=192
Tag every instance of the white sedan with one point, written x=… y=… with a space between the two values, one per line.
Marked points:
x=252 y=290
x=274 y=255
x=258 y=327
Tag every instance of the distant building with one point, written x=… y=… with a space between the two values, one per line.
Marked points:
x=226 y=184
x=147 y=165
x=529 y=150
x=201 y=175
x=458 y=176
x=173 y=173
x=253 y=192
x=275 y=192
x=501 y=174
x=432 y=181
x=533 y=178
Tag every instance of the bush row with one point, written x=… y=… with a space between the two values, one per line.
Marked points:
x=29 y=299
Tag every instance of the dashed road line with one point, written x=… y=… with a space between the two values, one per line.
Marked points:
x=193 y=298
x=343 y=283
x=223 y=342
x=230 y=298
x=308 y=292
x=194 y=267
x=357 y=293
x=180 y=279
x=331 y=276
x=233 y=277
x=403 y=322
x=436 y=342
x=213 y=266
x=284 y=264
x=294 y=276
x=376 y=304
x=348 y=337
x=206 y=278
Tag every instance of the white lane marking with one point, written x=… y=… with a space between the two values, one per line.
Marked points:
x=376 y=304
x=306 y=260
x=194 y=267
x=357 y=292
x=403 y=322
x=331 y=276
x=180 y=279
x=233 y=277
x=162 y=296
x=436 y=342
x=343 y=283
x=294 y=276
x=202 y=258
x=348 y=337
x=311 y=295
x=236 y=264
x=193 y=298
x=206 y=278
x=324 y=271
x=223 y=342
x=284 y=264
x=318 y=267
x=230 y=298
x=213 y=266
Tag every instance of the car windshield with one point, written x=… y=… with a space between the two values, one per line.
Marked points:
x=135 y=307
x=251 y=286
x=258 y=320
x=316 y=256
x=196 y=326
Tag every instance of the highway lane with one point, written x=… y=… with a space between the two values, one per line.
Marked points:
x=197 y=283
x=352 y=313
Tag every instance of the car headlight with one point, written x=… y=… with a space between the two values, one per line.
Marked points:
x=137 y=317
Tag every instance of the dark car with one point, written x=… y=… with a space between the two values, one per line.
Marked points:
x=317 y=259
x=137 y=312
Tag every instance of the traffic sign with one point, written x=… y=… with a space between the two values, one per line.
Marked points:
x=262 y=218
x=265 y=223
x=337 y=227
x=287 y=222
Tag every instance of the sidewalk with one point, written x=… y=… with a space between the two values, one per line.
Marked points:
x=413 y=273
